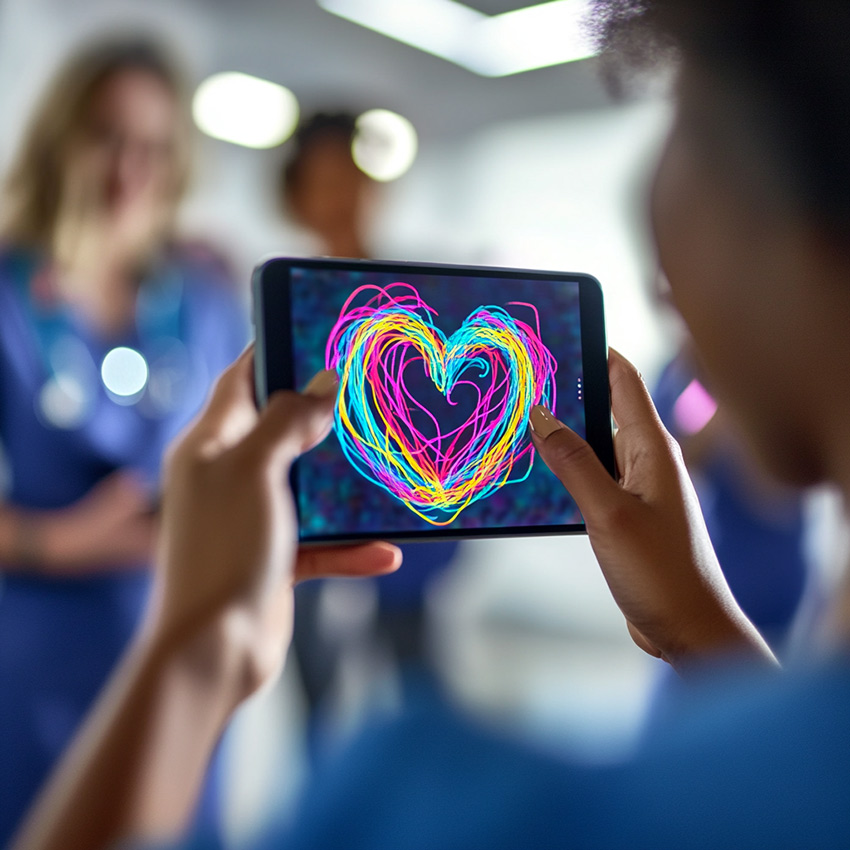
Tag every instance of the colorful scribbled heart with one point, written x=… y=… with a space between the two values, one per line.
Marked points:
x=384 y=345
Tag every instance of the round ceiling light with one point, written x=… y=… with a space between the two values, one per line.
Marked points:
x=385 y=144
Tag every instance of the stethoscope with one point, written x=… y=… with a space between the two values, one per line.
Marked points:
x=149 y=375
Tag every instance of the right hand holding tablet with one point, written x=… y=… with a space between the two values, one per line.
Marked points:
x=647 y=530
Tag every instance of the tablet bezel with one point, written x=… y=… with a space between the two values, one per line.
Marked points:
x=274 y=367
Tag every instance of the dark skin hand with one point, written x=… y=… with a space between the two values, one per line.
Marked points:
x=647 y=530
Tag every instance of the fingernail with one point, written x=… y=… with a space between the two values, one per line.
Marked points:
x=322 y=383
x=543 y=423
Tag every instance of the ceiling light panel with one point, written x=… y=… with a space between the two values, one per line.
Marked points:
x=490 y=45
x=438 y=27
x=534 y=37
x=245 y=110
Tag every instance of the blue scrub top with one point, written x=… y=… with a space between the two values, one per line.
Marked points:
x=744 y=762
x=60 y=637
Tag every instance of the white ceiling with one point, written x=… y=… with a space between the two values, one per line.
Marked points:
x=329 y=62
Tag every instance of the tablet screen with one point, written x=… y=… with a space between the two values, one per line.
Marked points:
x=439 y=369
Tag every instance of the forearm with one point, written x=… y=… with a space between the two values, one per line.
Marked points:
x=135 y=768
x=75 y=540
x=735 y=642
x=716 y=629
x=24 y=539
x=43 y=541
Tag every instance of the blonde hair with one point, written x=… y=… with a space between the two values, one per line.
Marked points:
x=34 y=182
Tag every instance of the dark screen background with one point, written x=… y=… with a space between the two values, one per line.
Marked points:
x=334 y=499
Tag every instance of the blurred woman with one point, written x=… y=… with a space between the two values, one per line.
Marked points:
x=109 y=334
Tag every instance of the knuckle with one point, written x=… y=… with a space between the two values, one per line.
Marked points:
x=658 y=446
x=283 y=402
x=185 y=459
x=671 y=444
x=173 y=458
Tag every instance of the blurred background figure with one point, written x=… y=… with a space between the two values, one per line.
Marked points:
x=111 y=331
x=323 y=190
x=356 y=645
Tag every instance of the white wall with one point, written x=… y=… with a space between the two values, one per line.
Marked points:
x=560 y=193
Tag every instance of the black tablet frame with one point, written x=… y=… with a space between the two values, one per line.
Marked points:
x=274 y=365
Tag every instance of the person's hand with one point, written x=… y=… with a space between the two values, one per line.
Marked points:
x=217 y=628
x=647 y=530
x=112 y=526
x=227 y=556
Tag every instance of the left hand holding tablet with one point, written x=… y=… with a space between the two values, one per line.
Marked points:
x=228 y=555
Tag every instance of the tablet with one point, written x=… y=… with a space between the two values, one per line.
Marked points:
x=439 y=367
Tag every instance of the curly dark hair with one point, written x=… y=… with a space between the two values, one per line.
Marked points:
x=779 y=81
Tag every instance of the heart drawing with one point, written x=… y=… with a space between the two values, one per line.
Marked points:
x=385 y=346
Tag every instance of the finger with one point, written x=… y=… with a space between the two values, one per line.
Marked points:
x=324 y=382
x=230 y=412
x=573 y=461
x=631 y=402
x=234 y=383
x=292 y=423
x=643 y=446
x=370 y=559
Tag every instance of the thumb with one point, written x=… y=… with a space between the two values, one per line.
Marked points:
x=292 y=423
x=574 y=463
x=289 y=425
